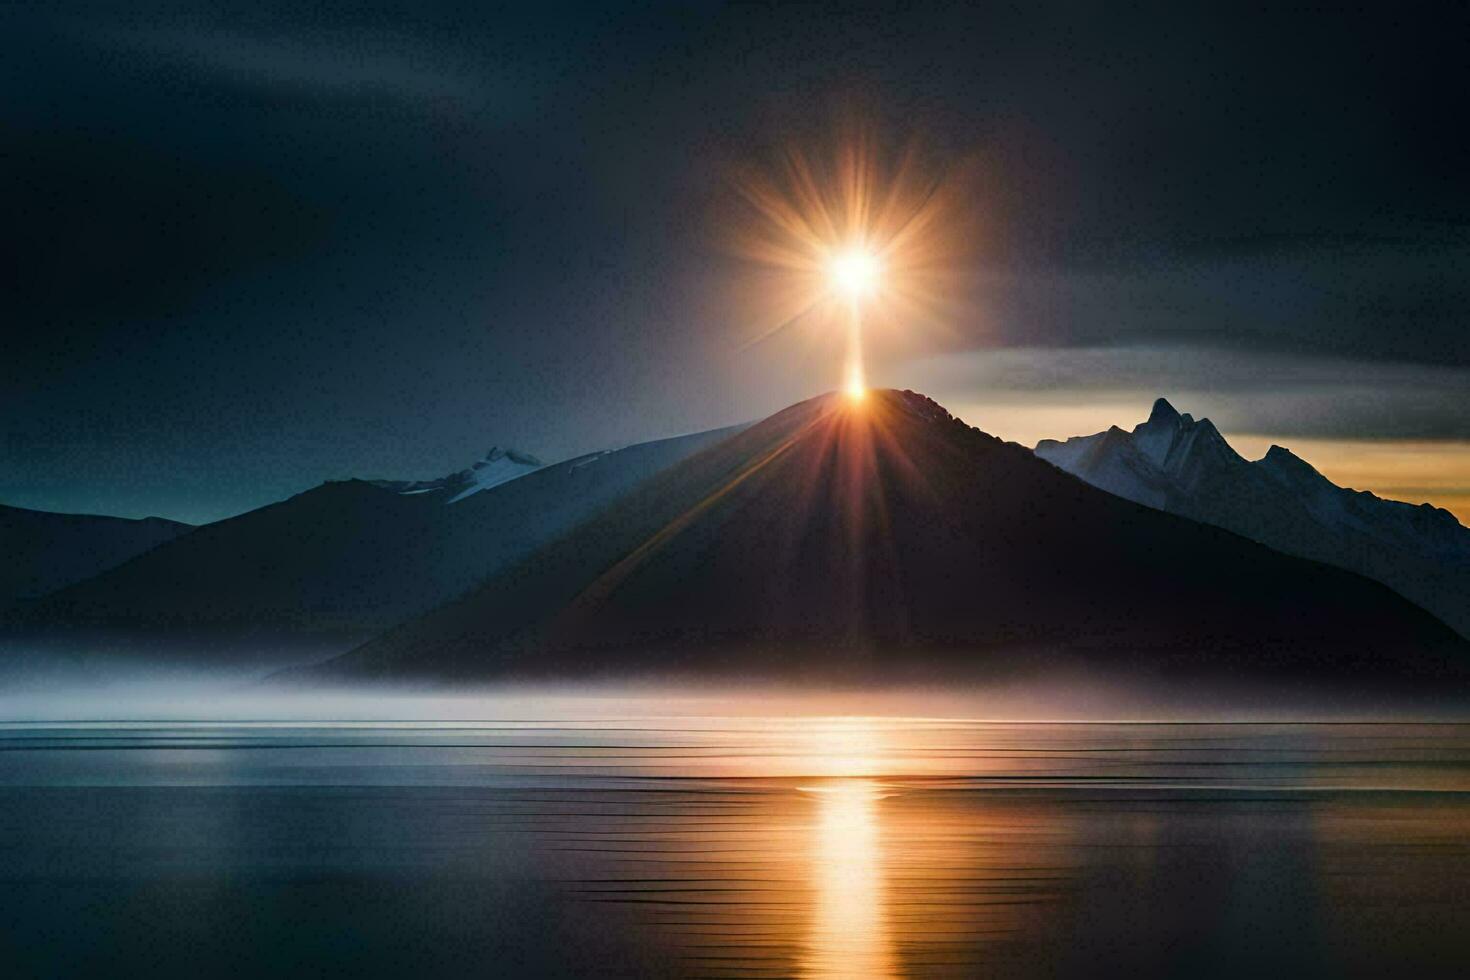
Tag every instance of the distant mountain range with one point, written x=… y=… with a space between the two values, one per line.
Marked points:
x=1176 y=463
x=331 y=567
x=41 y=552
x=884 y=540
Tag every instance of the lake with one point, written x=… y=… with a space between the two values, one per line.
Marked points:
x=734 y=847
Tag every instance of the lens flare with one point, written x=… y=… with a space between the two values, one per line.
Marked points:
x=850 y=245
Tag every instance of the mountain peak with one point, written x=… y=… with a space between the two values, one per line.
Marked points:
x=1175 y=463
x=1162 y=411
x=497 y=453
x=1283 y=462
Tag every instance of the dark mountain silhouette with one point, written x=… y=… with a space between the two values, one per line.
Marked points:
x=328 y=568
x=1184 y=466
x=885 y=540
x=45 y=551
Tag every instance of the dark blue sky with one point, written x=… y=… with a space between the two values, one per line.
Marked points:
x=247 y=250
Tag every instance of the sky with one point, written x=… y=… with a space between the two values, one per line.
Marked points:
x=248 y=249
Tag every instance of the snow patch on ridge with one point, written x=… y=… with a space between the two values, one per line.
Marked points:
x=498 y=466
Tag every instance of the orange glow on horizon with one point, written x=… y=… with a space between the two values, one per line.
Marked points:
x=1414 y=471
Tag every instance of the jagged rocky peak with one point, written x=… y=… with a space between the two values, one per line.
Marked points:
x=1163 y=412
x=1156 y=437
x=1166 y=416
x=1168 y=428
x=1280 y=455
x=1282 y=460
x=1208 y=428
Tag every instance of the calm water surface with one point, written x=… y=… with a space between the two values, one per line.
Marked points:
x=734 y=848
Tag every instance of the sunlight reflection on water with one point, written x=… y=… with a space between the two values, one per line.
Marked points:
x=849 y=932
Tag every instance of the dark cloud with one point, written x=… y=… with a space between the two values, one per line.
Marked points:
x=1372 y=298
x=105 y=229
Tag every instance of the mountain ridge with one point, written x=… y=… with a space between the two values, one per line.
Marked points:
x=888 y=540
x=1173 y=463
x=325 y=569
x=46 y=550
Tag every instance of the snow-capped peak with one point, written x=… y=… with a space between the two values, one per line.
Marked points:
x=498 y=466
x=1155 y=438
x=1176 y=463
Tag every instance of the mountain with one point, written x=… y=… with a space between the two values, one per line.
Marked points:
x=328 y=568
x=1175 y=463
x=885 y=540
x=45 y=551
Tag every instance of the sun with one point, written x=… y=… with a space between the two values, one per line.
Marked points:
x=855 y=273
x=851 y=237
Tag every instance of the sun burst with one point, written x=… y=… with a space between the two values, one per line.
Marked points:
x=855 y=274
x=849 y=244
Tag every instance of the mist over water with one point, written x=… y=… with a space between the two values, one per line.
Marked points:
x=140 y=691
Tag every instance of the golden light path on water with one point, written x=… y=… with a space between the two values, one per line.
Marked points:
x=849 y=935
x=884 y=862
